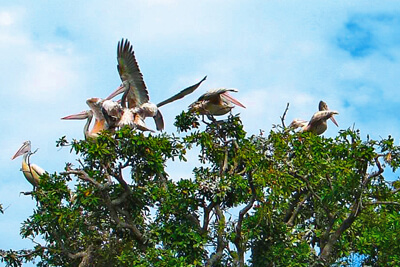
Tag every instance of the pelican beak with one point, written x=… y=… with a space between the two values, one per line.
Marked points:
x=79 y=116
x=26 y=147
x=117 y=91
x=233 y=100
x=334 y=121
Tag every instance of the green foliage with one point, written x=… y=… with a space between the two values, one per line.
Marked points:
x=285 y=199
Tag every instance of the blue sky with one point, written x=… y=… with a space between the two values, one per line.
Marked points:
x=56 y=54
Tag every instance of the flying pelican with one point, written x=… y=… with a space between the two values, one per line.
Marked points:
x=95 y=104
x=32 y=172
x=215 y=102
x=134 y=87
x=318 y=123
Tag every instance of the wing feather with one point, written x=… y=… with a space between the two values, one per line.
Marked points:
x=130 y=74
x=182 y=93
x=214 y=94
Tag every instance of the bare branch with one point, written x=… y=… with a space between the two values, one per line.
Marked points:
x=284 y=115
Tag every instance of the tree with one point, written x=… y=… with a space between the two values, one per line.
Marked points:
x=285 y=199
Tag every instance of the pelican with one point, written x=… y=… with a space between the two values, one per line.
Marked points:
x=32 y=172
x=318 y=123
x=95 y=104
x=215 y=102
x=135 y=90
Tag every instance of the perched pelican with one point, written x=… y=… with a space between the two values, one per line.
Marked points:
x=32 y=172
x=95 y=104
x=318 y=123
x=215 y=102
x=134 y=88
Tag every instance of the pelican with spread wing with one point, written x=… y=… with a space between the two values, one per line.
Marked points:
x=135 y=94
x=318 y=123
x=215 y=102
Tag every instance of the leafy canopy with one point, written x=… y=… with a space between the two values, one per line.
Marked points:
x=282 y=199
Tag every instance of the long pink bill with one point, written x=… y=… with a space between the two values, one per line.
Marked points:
x=233 y=100
x=79 y=116
x=117 y=91
x=334 y=121
x=26 y=147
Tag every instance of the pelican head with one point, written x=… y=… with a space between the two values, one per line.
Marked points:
x=25 y=148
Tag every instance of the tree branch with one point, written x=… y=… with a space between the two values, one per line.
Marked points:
x=296 y=199
x=85 y=255
x=206 y=216
x=284 y=115
x=111 y=205
x=290 y=222
x=240 y=246
x=382 y=203
x=81 y=174
x=395 y=191
x=221 y=244
x=327 y=249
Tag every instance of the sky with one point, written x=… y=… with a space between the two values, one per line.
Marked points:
x=56 y=54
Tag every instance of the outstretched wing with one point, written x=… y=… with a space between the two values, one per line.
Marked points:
x=215 y=94
x=130 y=74
x=182 y=93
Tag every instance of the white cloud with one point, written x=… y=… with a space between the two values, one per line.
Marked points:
x=6 y=18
